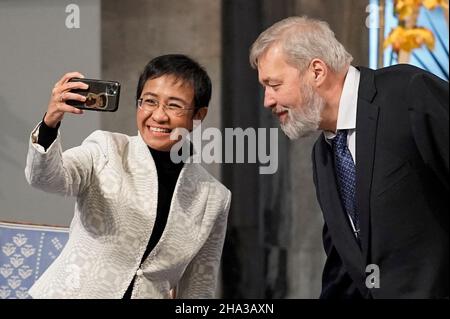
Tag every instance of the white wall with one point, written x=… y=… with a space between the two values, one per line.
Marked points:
x=36 y=48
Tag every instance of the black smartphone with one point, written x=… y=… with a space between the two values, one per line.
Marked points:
x=100 y=96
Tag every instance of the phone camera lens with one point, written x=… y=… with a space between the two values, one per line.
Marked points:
x=112 y=89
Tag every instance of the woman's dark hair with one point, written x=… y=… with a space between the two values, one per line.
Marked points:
x=183 y=68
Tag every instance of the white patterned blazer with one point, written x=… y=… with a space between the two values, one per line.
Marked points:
x=114 y=179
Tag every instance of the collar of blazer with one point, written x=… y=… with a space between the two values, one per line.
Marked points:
x=367 y=88
x=189 y=200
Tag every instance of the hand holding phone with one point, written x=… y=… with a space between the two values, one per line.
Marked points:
x=100 y=96
x=57 y=106
x=71 y=95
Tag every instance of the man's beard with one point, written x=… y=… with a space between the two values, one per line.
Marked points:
x=304 y=119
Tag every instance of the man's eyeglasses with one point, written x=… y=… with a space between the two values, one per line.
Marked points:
x=149 y=105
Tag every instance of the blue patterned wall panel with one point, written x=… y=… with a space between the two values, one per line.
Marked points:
x=26 y=252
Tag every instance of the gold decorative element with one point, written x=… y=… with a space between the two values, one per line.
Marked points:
x=407 y=36
x=409 y=39
x=406 y=8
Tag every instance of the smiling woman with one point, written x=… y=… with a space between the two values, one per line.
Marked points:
x=172 y=215
x=176 y=97
x=181 y=87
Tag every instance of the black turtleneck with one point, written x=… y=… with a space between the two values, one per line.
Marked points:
x=167 y=172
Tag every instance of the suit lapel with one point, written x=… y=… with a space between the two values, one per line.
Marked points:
x=187 y=208
x=366 y=129
x=191 y=191
x=141 y=169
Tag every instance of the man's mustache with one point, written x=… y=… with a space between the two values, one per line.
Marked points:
x=279 y=109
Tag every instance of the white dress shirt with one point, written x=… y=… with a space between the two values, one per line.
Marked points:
x=347 y=116
x=347 y=110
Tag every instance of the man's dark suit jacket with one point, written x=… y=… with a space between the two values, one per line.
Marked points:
x=402 y=190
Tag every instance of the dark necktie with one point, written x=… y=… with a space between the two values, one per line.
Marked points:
x=346 y=175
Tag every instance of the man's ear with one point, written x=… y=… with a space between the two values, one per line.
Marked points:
x=319 y=71
x=200 y=113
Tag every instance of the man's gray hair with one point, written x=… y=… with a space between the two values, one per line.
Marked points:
x=302 y=39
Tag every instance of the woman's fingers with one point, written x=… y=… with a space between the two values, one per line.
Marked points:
x=73 y=110
x=65 y=108
x=66 y=77
x=72 y=86
x=72 y=96
x=60 y=93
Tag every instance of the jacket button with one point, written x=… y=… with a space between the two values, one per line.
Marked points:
x=139 y=272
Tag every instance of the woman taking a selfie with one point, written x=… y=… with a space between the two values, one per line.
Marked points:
x=143 y=225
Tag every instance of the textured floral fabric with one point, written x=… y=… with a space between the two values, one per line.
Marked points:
x=26 y=252
x=114 y=179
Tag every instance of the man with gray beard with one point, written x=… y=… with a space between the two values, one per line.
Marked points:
x=381 y=166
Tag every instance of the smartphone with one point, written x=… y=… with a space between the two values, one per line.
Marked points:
x=100 y=96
